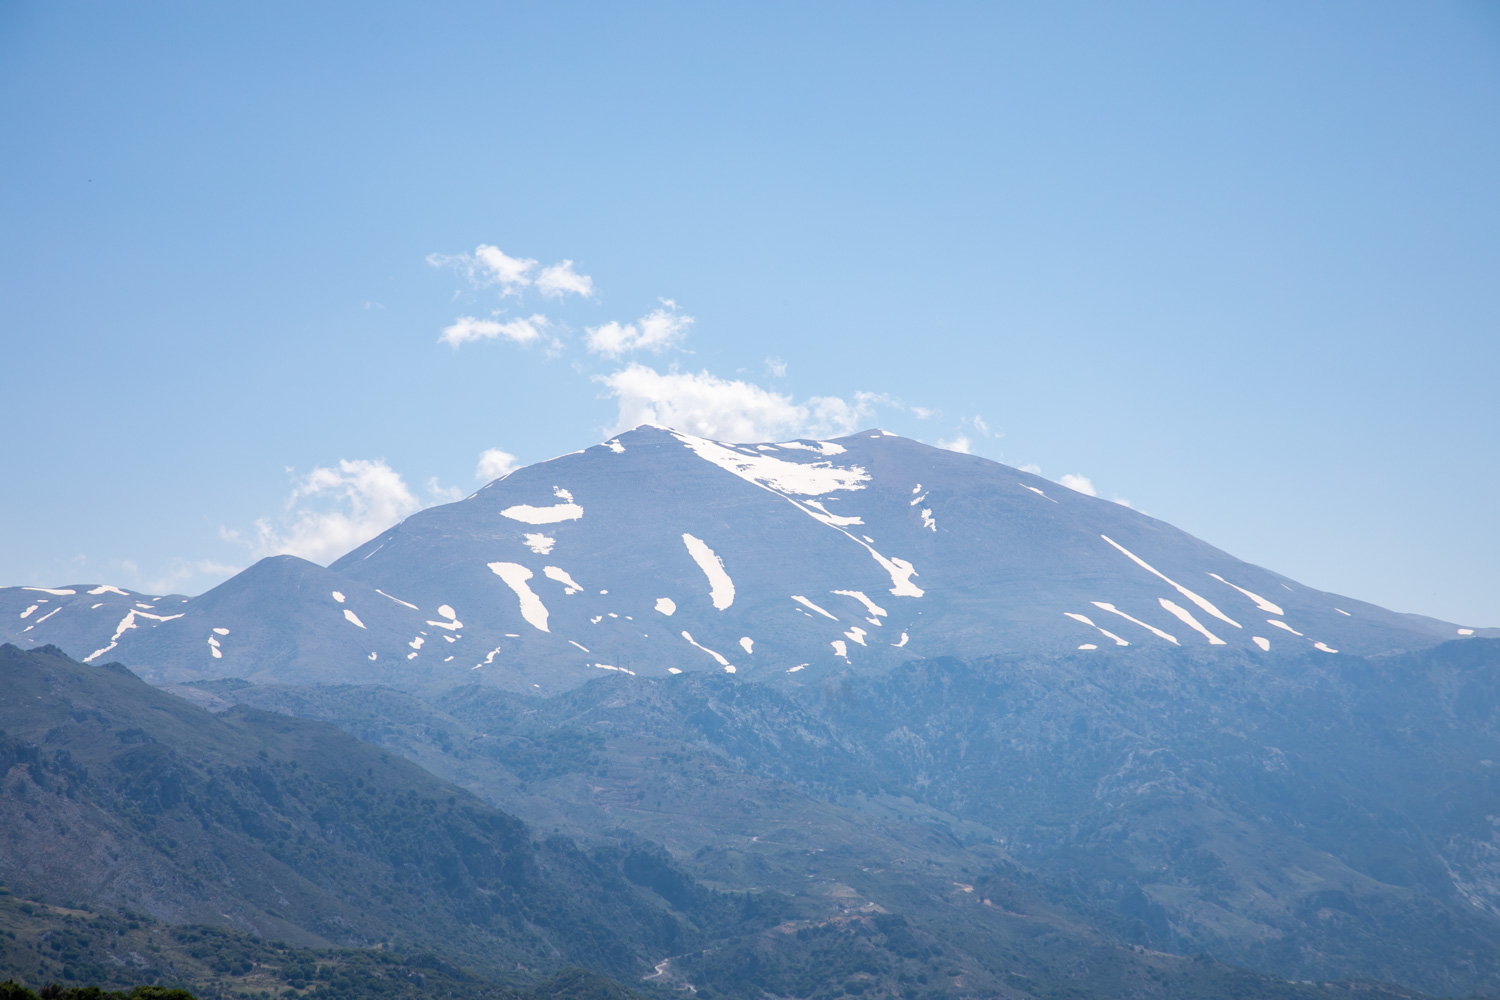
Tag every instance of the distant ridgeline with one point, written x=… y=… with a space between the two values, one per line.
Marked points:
x=660 y=553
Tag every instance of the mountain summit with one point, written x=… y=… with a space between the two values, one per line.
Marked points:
x=658 y=552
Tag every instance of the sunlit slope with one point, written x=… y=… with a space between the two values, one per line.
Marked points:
x=658 y=552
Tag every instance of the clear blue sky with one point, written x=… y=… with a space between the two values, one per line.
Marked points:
x=1238 y=263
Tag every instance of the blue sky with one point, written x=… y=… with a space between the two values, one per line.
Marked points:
x=1234 y=263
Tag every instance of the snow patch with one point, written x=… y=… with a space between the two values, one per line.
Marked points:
x=28 y=611
x=1089 y=622
x=800 y=666
x=397 y=600
x=107 y=589
x=927 y=521
x=615 y=446
x=352 y=618
x=722 y=662
x=859 y=596
x=856 y=634
x=803 y=479
x=1260 y=602
x=666 y=606
x=539 y=543
x=835 y=519
x=47 y=615
x=1465 y=631
x=515 y=577
x=804 y=601
x=54 y=593
x=222 y=631
x=904 y=637
x=580 y=645
x=1087 y=645
x=1103 y=606
x=1283 y=625
x=1040 y=494
x=721 y=588
x=1202 y=602
x=1187 y=619
x=338 y=597
x=1324 y=647
x=527 y=514
x=570 y=586
x=1264 y=644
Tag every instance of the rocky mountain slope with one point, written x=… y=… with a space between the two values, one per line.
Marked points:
x=660 y=553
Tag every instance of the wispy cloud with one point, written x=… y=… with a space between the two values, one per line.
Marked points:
x=334 y=509
x=1081 y=484
x=560 y=279
x=959 y=443
x=494 y=463
x=728 y=409
x=776 y=367
x=174 y=577
x=488 y=266
x=656 y=331
x=520 y=331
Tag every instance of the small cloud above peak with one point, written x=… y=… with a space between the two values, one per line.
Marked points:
x=959 y=443
x=494 y=463
x=1079 y=484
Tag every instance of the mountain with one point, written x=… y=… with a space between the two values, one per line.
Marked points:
x=119 y=795
x=251 y=854
x=660 y=553
x=1314 y=817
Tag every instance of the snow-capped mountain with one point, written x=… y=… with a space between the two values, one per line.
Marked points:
x=657 y=552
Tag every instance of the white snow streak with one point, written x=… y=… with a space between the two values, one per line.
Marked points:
x=570 y=586
x=1202 y=602
x=1089 y=622
x=515 y=577
x=397 y=600
x=728 y=667
x=721 y=588
x=1283 y=625
x=353 y=618
x=527 y=514
x=804 y=601
x=1260 y=602
x=859 y=596
x=1103 y=606
x=1191 y=622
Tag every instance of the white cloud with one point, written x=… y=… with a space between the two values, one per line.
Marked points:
x=980 y=425
x=776 y=367
x=1033 y=468
x=1080 y=484
x=728 y=410
x=488 y=265
x=960 y=443
x=441 y=493
x=560 y=279
x=921 y=412
x=520 y=331
x=333 y=510
x=494 y=463
x=657 y=330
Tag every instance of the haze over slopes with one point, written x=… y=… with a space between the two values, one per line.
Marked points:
x=1246 y=284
